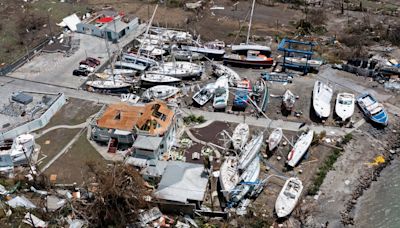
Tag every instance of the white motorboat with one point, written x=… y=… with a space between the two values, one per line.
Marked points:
x=288 y=100
x=205 y=94
x=240 y=136
x=300 y=61
x=158 y=79
x=229 y=176
x=250 y=151
x=344 y=107
x=108 y=85
x=275 y=138
x=288 y=197
x=221 y=95
x=322 y=96
x=22 y=149
x=300 y=148
x=178 y=69
x=160 y=92
x=249 y=176
x=221 y=70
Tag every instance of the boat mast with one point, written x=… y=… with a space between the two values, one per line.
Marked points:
x=251 y=19
x=146 y=33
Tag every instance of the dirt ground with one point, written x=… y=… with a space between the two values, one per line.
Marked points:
x=72 y=166
x=74 y=112
x=52 y=142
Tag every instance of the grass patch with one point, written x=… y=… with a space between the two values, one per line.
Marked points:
x=327 y=166
x=194 y=119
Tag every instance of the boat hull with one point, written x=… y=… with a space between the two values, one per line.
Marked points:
x=288 y=197
x=248 y=63
x=300 y=148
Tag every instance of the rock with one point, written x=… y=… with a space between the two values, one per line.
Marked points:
x=346 y=182
x=278 y=158
x=300 y=171
x=392 y=151
x=284 y=143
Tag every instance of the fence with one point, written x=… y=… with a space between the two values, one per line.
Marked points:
x=37 y=123
x=11 y=67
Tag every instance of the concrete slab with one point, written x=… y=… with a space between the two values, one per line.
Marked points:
x=56 y=69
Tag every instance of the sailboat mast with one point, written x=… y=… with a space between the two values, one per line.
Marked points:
x=251 y=19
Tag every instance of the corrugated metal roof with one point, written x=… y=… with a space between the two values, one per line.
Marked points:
x=147 y=142
x=181 y=182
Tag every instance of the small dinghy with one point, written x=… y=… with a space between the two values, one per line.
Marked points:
x=373 y=109
x=322 y=96
x=130 y=98
x=288 y=197
x=158 y=79
x=300 y=148
x=288 y=100
x=344 y=105
x=204 y=95
x=275 y=138
x=160 y=92
x=240 y=136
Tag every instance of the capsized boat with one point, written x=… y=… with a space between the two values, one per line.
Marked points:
x=373 y=109
x=288 y=100
x=301 y=61
x=160 y=92
x=112 y=86
x=204 y=95
x=288 y=197
x=249 y=55
x=250 y=151
x=221 y=70
x=178 y=69
x=322 y=96
x=182 y=55
x=275 y=138
x=221 y=94
x=300 y=148
x=240 y=136
x=22 y=149
x=158 y=79
x=229 y=176
x=344 y=105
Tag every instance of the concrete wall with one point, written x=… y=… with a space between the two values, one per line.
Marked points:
x=36 y=124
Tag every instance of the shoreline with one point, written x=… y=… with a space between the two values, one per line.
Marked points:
x=336 y=203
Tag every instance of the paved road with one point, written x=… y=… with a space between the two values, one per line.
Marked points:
x=266 y=123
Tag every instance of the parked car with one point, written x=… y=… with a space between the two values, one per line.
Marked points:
x=86 y=67
x=86 y=62
x=80 y=72
x=93 y=60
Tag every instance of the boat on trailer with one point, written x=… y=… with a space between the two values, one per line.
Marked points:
x=275 y=138
x=288 y=197
x=204 y=95
x=322 y=96
x=300 y=148
x=240 y=136
x=344 y=107
x=373 y=109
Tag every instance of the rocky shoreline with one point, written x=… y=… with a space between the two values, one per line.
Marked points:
x=346 y=183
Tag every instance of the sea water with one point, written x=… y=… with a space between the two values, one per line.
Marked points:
x=380 y=204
